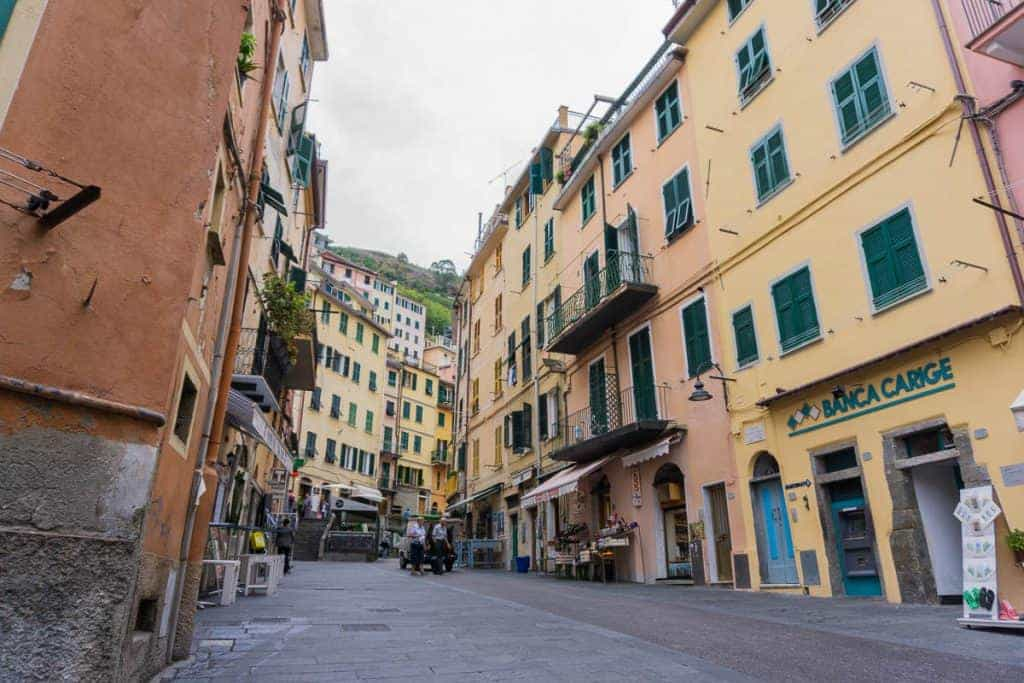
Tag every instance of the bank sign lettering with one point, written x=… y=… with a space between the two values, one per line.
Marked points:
x=909 y=385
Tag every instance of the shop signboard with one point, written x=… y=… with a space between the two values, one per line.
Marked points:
x=638 y=499
x=977 y=513
x=862 y=399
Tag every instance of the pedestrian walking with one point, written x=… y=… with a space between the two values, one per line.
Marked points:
x=307 y=505
x=417 y=537
x=285 y=540
x=325 y=508
x=291 y=502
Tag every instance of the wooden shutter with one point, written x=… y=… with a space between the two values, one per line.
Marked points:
x=776 y=152
x=536 y=178
x=893 y=260
x=668 y=194
x=735 y=7
x=844 y=91
x=746 y=339
x=698 y=346
x=762 y=174
x=547 y=164
x=303 y=161
x=869 y=83
x=542 y=417
x=794 y=306
x=881 y=273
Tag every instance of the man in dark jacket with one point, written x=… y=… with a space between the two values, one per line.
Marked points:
x=285 y=540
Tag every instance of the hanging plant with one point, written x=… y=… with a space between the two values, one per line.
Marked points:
x=246 y=54
x=287 y=310
x=1015 y=540
x=591 y=132
x=560 y=177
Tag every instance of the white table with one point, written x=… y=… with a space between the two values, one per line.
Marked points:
x=261 y=572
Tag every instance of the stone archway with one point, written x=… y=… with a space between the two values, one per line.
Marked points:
x=681 y=556
x=771 y=522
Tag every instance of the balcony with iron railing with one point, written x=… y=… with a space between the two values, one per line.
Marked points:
x=386 y=484
x=261 y=364
x=606 y=298
x=439 y=457
x=997 y=28
x=624 y=419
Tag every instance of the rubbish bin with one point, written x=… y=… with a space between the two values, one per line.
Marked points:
x=523 y=564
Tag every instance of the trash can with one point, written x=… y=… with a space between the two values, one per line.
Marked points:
x=523 y=564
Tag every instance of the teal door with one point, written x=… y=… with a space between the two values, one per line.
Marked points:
x=774 y=542
x=855 y=547
x=598 y=399
x=592 y=280
x=515 y=536
x=643 y=375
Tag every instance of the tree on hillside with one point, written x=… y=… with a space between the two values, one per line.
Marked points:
x=443 y=267
x=402 y=258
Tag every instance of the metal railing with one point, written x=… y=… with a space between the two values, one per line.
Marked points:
x=490 y=226
x=613 y=410
x=622 y=267
x=262 y=353
x=439 y=457
x=386 y=483
x=983 y=14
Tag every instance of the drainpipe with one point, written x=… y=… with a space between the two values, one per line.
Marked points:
x=968 y=107
x=535 y=413
x=989 y=117
x=201 y=510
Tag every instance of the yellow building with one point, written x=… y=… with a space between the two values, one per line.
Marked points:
x=867 y=307
x=342 y=418
x=412 y=475
x=509 y=392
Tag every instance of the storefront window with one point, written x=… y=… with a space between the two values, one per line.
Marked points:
x=677 y=544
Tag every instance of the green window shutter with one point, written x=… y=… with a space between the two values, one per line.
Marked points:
x=735 y=7
x=588 y=199
x=746 y=339
x=762 y=174
x=297 y=277
x=536 y=178
x=526 y=265
x=549 y=239
x=419 y=413
x=893 y=260
x=869 y=82
x=303 y=161
x=752 y=63
x=353 y=411
x=795 y=310
x=369 y=420
x=343 y=323
x=698 y=343
x=547 y=164
x=777 y=158
x=417 y=443
x=359 y=332
x=667 y=111
x=678 y=203
x=771 y=168
x=406 y=410
x=6 y=10
x=622 y=163
x=668 y=193
x=375 y=344
x=844 y=93
x=405 y=441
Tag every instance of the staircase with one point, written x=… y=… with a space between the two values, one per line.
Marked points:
x=307 y=539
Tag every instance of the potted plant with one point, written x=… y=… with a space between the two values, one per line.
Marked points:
x=287 y=310
x=246 y=55
x=1015 y=539
x=560 y=177
x=591 y=132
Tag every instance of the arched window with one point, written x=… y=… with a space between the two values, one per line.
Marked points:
x=766 y=466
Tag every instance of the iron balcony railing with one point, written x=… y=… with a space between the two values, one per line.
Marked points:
x=264 y=354
x=610 y=411
x=622 y=267
x=439 y=457
x=984 y=14
x=386 y=484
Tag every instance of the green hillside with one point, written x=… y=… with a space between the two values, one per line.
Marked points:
x=434 y=287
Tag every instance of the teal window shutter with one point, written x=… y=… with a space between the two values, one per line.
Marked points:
x=795 y=310
x=303 y=161
x=736 y=6
x=359 y=332
x=893 y=260
x=297 y=128
x=753 y=64
x=678 y=204
x=536 y=178
x=698 y=343
x=6 y=10
x=668 y=112
x=549 y=239
x=547 y=164
x=771 y=168
x=588 y=199
x=519 y=212
x=297 y=277
x=353 y=411
x=860 y=97
x=343 y=323
x=526 y=265
x=746 y=338
x=622 y=162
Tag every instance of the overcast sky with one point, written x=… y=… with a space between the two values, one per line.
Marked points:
x=423 y=102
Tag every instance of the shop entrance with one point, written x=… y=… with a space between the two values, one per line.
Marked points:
x=719 y=533
x=668 y=482
x=937 y=488
x=771 y=521
x=514 y=521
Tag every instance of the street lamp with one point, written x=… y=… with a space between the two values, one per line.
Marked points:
x=701 y=394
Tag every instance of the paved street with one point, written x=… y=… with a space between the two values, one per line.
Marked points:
x=336 y=621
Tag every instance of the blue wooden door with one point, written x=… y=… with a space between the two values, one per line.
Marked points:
x=775 y=541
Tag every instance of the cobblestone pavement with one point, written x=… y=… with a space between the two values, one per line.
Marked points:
x=347 y=621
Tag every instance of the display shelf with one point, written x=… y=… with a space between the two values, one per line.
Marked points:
x=990 y=623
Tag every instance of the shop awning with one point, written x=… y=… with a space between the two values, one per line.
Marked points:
x=246 y=415
x=650 y=453
x=563 y=483
x=349 y=505
x=489 y=491
x=358 y=491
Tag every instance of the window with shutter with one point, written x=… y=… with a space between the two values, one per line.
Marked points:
x=297 y=128
x=353 y=411
x=335 y=406
x=746 y=338
x=542 y=417
x=678 y=204
x=536 y=178
x=549 y=239
x=770 y=165
x=303 y=161
x=861 y=98
x=343 y=323
x=737 y=6
x=668 y=112
x=827 y=10
x=893 y=260
x=753 y=65
x=622 y=161
x=588 y=199
x=795 y=310
x=526 y=266
x=314 y=402
x=547 y=164
x=540 y=325
x=696 y=338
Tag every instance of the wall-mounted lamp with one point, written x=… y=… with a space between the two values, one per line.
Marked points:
x=701 y=394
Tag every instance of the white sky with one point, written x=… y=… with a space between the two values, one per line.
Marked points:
x=423 y=102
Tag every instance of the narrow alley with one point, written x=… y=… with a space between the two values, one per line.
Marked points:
x=348 y=621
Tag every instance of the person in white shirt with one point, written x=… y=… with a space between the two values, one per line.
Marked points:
x=440 y=537
x=417 y=537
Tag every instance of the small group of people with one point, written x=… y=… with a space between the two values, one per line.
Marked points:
x=304 y=506
x=417 y=543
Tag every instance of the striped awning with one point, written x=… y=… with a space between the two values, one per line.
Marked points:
x=650 y=453
x=563 y=483
x=246 y=416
